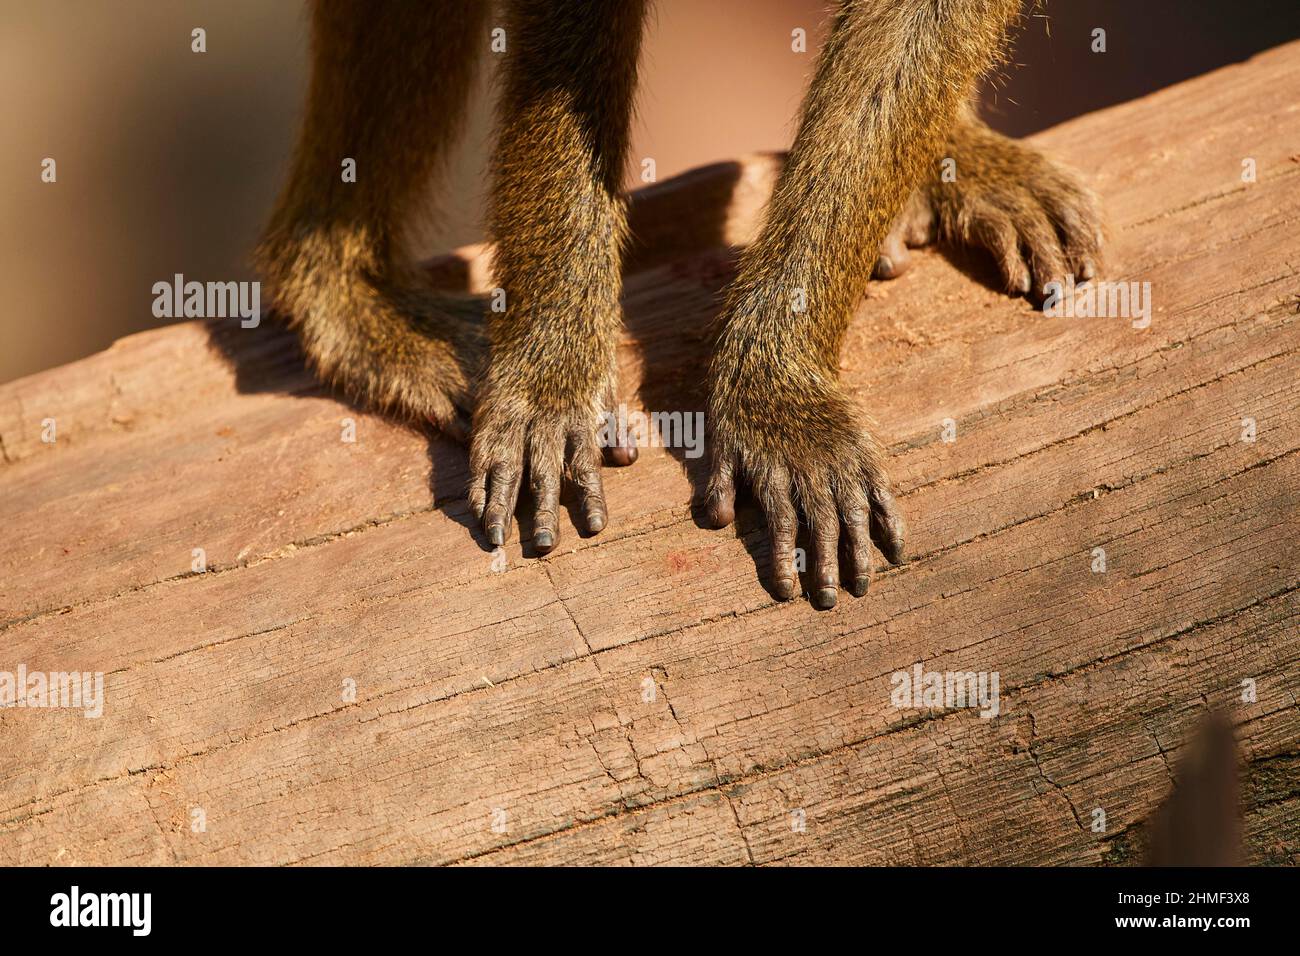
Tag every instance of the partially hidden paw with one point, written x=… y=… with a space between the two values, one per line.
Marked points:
x=914 y=227
x=1037 y=219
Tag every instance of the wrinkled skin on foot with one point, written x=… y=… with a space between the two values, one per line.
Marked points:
x=1037 y=219
x=534 y=438
x=804 y=450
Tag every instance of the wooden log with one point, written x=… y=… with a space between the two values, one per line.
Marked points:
x=638 y=697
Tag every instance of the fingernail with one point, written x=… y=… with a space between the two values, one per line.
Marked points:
x=631 y=453
x=544 y=540
x=721 y=514
x=784 y=588
x=496 y=535
x=824 y=599
x=860 y=585
x=595 y=522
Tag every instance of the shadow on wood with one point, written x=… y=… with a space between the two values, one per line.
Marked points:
x=295 y=640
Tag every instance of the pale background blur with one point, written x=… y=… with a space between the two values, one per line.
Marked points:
x=168 y=160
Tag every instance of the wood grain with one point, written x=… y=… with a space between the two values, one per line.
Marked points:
x=638 y=697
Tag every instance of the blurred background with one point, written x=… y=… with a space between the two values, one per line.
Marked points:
x=168 y=160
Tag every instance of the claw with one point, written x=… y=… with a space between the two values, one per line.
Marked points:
x=824 y=598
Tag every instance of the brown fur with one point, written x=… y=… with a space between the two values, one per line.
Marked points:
x=1038 y=220
x=888 y=91
x=388 y=87
x=559 y=222
x=887 y=101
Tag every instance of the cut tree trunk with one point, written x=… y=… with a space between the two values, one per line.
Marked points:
x=357 y=678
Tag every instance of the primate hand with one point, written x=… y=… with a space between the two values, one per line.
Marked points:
x=524 y=427
x=803 y=447
x=1036 y=218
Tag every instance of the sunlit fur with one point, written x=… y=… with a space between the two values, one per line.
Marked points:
x=889 y=100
